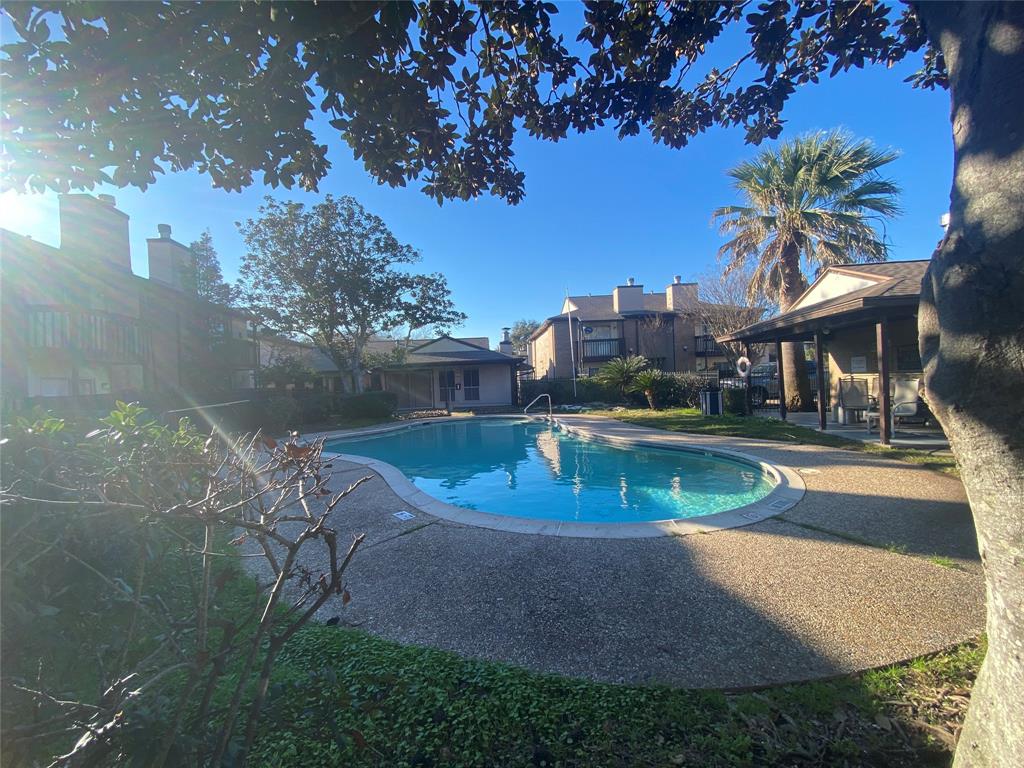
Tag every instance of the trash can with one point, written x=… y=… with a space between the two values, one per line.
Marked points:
x=711 y=402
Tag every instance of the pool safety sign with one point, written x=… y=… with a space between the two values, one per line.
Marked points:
x=403 y=515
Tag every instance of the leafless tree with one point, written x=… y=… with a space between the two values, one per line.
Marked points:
x=654 y=332
x=725 y=307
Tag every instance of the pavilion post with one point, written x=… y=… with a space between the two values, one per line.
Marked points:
x=820 y=363
x=884 y=398
x=782 y=380
x=747 y=410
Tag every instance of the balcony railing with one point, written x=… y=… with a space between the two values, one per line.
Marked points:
x=594 y=349
x=95 y=335
x=238 y=353
x=706 y=345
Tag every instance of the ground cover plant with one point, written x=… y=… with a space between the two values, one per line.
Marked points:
x=344 y=697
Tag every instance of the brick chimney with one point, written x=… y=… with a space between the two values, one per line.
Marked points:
x=680 y=296
x=505 y=345
x=628 y=298
x=169 y=260
x=92 y=229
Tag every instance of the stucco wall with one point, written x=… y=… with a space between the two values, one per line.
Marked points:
x=495 y=386
x=845 y=344
x=831 y=285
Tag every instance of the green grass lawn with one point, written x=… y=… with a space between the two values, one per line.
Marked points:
x=690 y=420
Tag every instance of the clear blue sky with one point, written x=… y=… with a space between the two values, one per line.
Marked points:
x=597 y=210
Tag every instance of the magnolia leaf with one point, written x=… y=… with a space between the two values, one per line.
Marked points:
x=297 y=451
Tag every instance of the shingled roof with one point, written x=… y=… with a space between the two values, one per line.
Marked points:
x=895 y=278
x=897 y=285
x=468 y=354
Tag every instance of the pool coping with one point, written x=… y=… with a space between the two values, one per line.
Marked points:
x=788 y=491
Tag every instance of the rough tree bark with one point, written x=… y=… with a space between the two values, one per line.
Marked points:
x=794 y=364
x=971 y=325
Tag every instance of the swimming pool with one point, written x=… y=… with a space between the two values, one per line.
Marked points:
x=532 y=469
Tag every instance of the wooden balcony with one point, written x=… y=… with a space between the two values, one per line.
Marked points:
x=706 y=346
x=602 y=349
x=97 y=336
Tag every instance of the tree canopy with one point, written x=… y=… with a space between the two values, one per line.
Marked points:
x=520 y=333
x=336 y=275
x=204 y=275
x=419 y=91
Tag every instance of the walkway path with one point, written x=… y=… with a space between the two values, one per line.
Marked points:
x=813 y=594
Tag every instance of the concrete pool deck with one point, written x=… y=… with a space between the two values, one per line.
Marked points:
x=848 y=578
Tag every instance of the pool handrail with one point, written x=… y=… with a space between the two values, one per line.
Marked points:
x=551 y=410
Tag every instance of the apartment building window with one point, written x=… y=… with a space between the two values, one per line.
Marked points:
x=471 y=383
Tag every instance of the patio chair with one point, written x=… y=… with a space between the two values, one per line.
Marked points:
x=853 y=400
x=904 y=402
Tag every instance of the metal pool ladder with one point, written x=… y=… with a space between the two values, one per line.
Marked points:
x=551 y=415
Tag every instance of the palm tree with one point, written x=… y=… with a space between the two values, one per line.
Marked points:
x=812 y=202
x=620 y=373
x=650 y=382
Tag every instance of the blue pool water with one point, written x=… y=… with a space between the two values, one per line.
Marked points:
x=532 y=469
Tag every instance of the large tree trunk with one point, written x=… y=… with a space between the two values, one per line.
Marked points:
x=793 y=363
x=971 y=326
x=356 y=367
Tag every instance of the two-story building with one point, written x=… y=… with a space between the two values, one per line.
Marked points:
x=668 y=328
x=78 y=322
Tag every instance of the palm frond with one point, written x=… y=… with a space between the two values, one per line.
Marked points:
x=821 y=194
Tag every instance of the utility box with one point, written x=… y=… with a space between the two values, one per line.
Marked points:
x=711 y=402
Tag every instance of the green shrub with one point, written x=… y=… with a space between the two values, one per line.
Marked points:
x=369 y=405
x=105 y=537
x=619 y=373
x=734 y=401
x=315 y=407
x=277 y=415
x=682 y=390
x=588 y=390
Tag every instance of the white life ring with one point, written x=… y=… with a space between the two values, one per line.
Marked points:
x=743 y=367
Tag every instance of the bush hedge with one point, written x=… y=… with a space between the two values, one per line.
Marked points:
x=277 y=415
x=315 y=407
x=588 y=390
x=369 y=405
x=679 y=390
x=734 y=402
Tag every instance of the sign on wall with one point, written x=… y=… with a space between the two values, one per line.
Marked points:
x=859 y=364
